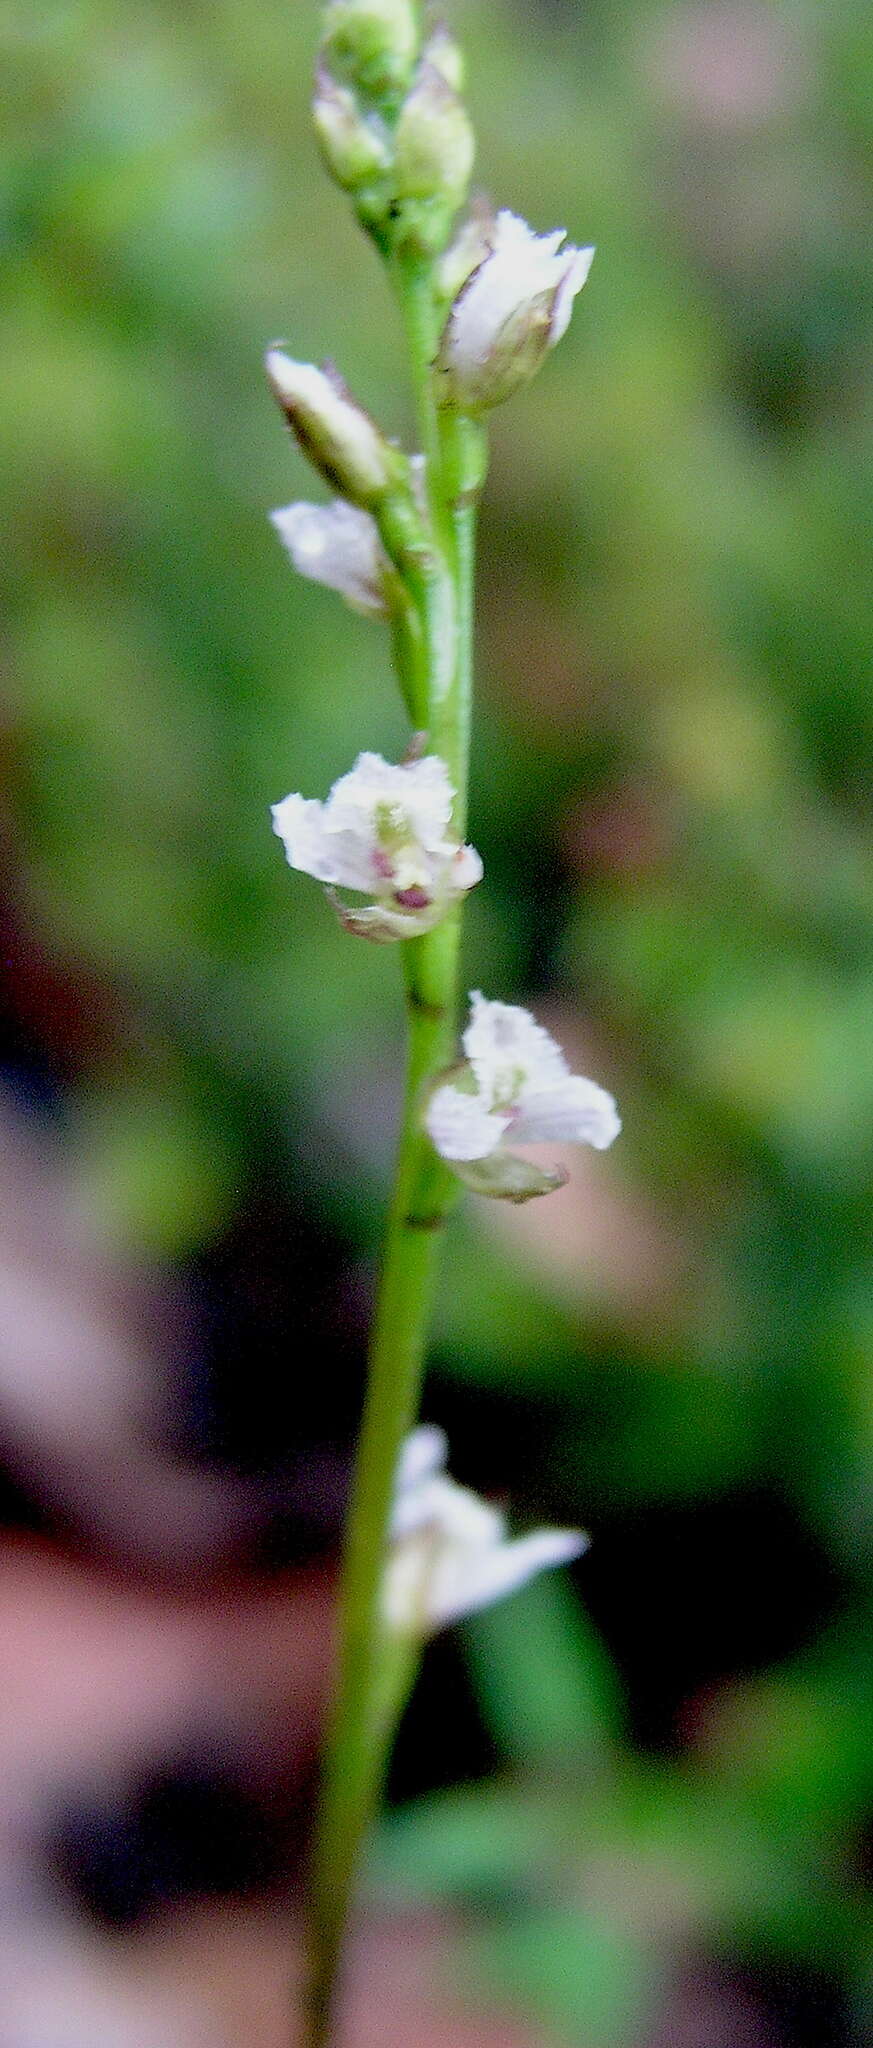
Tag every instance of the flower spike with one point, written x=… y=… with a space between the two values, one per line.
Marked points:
x=450 y=1553
x=385 y=831
x=515 y=1083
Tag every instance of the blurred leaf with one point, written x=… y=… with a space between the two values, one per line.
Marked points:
x=547 y=1688
x=579 y=1977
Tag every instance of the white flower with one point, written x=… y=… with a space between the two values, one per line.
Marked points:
x=515 y=1082
x=335 y=432
x=385 y=831
x=450 y=1553
x=510 y=312
x=337 y=545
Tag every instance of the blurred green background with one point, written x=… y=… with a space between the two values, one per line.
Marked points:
x=671 y=1786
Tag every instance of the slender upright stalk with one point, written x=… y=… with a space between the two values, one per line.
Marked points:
x=363 y=1721
x=397 y=137
x=374 y=1673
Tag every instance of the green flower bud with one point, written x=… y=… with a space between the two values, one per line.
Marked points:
x=340 y=439
x=372 y=44
x=354 y=147
x=434 y=157
x=446 y=56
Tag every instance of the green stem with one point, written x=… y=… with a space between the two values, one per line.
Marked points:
x=358 y=1745
x=463 y=453
x=375 y=1672
x=413 y=278
x=455 y=451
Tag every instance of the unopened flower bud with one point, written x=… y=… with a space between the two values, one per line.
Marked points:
x=511 y=311
x=435 y=145
x=372 y=44
x=442 y=51
x=354 y=146
x=340 y=439
x=337 y=545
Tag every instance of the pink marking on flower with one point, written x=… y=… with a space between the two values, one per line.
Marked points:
x=383 y=864
x=412 y=899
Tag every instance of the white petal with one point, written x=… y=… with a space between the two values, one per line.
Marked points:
x=515 y=237
x=571 y=283
x=573 y=1110
x=410 y=1513
x=466 y=870
x=420 y=790
x=299 y=822
x=450 y=1514
x=422 y=1453
x=459 y=1585
x=506 y=1048
x=337 y=545
x=460 y=1125
x=461 y=1516
x=351 y=854
x=427 y=796
x=343 y=859
x=355 y=795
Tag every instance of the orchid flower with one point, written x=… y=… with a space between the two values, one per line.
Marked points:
x=334 y=431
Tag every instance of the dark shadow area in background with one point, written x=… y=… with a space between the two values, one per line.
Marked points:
x=682 y=1596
